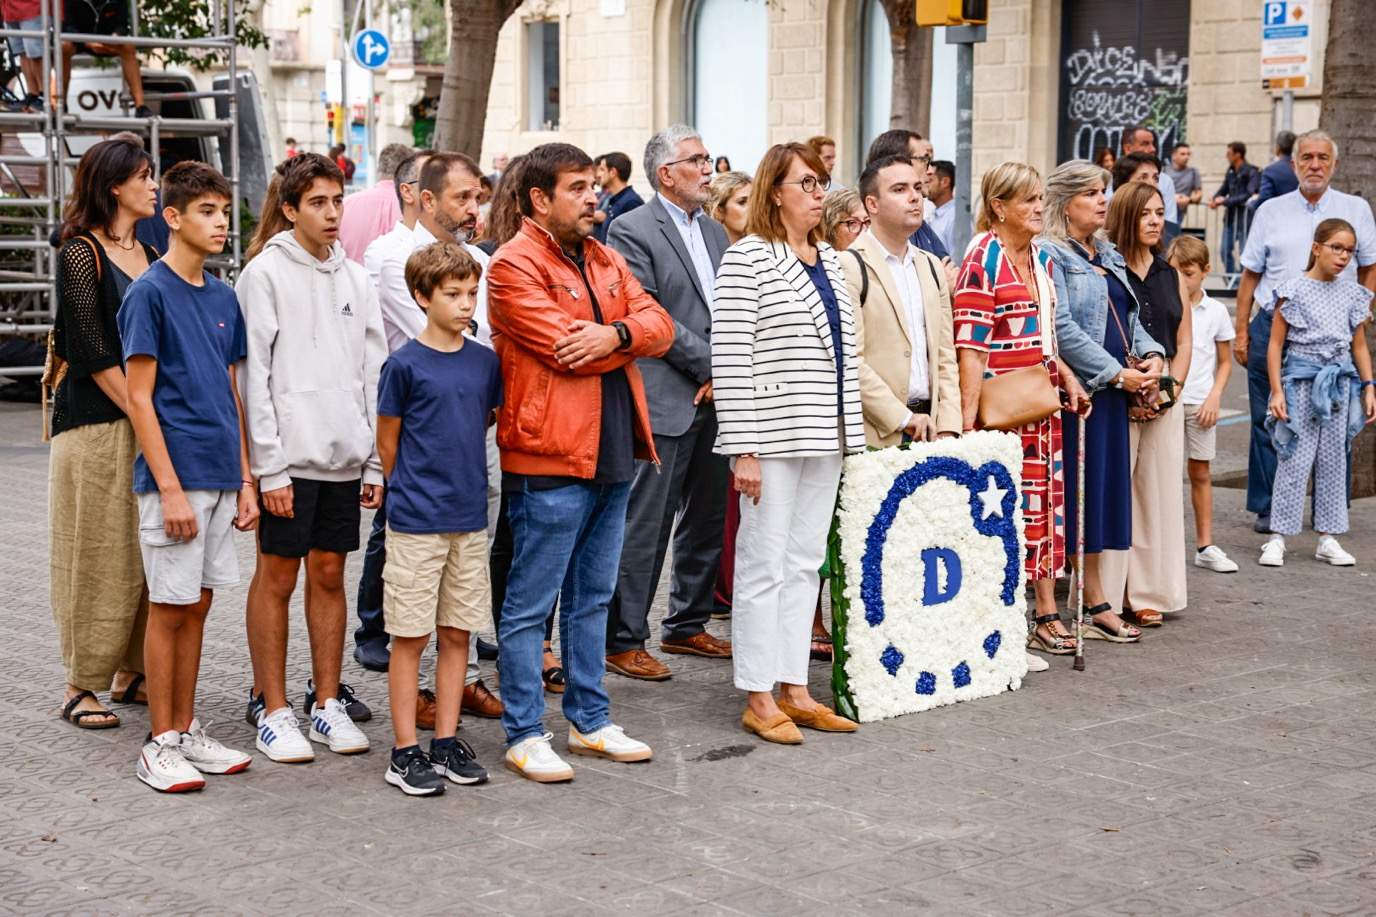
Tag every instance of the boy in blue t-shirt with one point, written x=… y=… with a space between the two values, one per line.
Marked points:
x=437 y=396
x=183 y=334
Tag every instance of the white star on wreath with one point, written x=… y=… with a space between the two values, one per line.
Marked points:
x=992 y=497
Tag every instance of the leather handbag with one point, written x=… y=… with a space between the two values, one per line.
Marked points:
x=1017 y=398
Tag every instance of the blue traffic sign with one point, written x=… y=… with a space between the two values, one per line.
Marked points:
x=371 y=49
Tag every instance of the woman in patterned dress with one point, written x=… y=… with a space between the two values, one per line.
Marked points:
x=1004 y=320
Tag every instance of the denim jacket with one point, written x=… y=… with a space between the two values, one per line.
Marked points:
x=1334 y=383
x=1082 y=313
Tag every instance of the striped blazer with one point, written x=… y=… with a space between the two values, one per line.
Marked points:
x=773 y=362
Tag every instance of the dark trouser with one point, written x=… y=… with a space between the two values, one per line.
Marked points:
x=370 y=627
x=1261 y=453
x=499 y=569
x=686 y=495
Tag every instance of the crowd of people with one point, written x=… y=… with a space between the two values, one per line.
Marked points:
x=540 y=420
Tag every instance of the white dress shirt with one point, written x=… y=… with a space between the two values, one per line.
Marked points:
x=690 y=228
x=904 y=272
x=402 y=319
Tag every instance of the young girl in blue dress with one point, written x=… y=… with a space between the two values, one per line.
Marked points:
x=1321 y=392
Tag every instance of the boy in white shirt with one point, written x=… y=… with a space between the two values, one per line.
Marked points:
x=1210 y=367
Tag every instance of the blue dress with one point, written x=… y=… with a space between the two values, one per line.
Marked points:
x=1108 y=464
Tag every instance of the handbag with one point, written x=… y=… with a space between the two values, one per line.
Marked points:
x=1165 y=398
x=1022 y=396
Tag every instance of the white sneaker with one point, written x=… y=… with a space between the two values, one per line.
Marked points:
x=209 y=756
x=281 y=740
x=611 y=742
x=1213 y=558
x=1273 y=552
x=330 y=725
x=1330 y=551
x=1036 y=663
x=162 y=766
x=534 y=759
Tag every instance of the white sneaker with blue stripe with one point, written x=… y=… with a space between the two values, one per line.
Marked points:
x=330 y=725
x=281 y=740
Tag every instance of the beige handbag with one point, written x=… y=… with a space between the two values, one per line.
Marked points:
x=1018 y=398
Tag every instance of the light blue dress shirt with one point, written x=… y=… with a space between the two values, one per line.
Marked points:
x=1278 y=243
x=690 y=228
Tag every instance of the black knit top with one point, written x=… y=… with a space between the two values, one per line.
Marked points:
x=85 y=333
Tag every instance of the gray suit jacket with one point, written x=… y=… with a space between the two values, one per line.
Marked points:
x=652 y=246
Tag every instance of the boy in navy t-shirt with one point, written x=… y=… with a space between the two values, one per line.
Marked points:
x=437 y=396
x=183 y=335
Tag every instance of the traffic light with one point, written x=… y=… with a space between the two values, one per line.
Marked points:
x=952 y=12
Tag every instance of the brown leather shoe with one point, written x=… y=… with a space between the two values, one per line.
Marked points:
x=425 y=709
x=778 y=728
x=638 y=664
x=823 y=719
x=1144 y=617
x=703 y=644
x=479 y=701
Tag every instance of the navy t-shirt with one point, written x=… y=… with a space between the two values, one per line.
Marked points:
x=195 y=333
x=444 y=400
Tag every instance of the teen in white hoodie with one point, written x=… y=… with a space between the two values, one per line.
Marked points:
x=315 y=348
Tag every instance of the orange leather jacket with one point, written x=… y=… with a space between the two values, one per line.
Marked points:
x=551 y=415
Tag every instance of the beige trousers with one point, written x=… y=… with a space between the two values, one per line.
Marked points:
x=95 y=571
x=1152 y=574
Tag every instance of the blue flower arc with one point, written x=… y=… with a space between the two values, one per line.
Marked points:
x=904 y=486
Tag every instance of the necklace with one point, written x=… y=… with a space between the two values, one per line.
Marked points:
x=119 y=245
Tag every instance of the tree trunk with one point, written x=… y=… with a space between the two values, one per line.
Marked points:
x=911 y=105
x=1347 y=113
x=462 y=112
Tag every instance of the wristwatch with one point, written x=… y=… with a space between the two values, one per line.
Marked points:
x=623 y=335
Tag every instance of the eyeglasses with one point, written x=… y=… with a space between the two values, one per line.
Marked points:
x=810 y=183
x=1339 y=249
x=856 y=226
x=924 y=159
x=701 y=162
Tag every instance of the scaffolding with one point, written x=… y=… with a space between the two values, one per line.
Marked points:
x=28 y=222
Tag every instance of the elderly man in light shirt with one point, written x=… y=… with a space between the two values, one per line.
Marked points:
x=1277 y=249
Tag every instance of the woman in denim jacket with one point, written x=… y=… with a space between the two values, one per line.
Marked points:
x=1097 y=329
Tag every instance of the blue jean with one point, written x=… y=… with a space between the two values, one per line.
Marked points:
x=369 y=607
x=1228 y=248
x=1261 y=452
x=567 y=543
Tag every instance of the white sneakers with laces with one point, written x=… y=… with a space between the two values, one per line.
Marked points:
x=1273 y=552
x=1329 y=551
x=280 y=738
x=208 y=756
x=1213 y=558
x=610 y=742
x=163 y=766
x=534 y=759
x=330 y=725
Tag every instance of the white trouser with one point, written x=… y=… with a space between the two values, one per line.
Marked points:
x=779 y=549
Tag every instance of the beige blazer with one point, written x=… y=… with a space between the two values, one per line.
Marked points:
x=885 y=348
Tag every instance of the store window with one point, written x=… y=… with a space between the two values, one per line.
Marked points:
x=730 y=78
x=542 y=76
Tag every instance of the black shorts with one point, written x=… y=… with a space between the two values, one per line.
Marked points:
x=326 y=516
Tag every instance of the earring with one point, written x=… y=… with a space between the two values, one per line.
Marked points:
x=1001 y=219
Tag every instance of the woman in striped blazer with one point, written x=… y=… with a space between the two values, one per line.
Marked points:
x=787 y=394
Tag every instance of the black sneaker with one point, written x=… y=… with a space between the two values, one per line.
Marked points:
x=358 y=711
x=256 y=708
x=454 y=758
x=410 y=772
x=487 y=652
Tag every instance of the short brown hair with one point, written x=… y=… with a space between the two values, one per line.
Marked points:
x=437 y=262
x=762 y=216
x=820 y=141
x=189 y=180
x=434 y=175
x=1125 y=215
x=1187 y=249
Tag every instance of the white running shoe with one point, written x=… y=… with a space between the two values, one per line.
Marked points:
x=280 y=738
x=163 y=767
x=534 y=759
x=1036 y=663
x=209 y=756
x=330 y=725
x=611 y=742
x=1273 y=552
x=1213 y=558
x=1331 y=552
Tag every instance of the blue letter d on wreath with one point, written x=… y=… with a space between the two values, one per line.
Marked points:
x=933 y=559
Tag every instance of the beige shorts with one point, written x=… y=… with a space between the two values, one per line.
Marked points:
x=1200 y=444
x=177 y=570
x=434 y=581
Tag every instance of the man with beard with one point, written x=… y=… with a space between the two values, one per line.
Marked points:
x=569 y=320
x=673 y=248
x=449 y=188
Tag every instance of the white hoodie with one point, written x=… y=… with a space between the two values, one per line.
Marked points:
x=315 y=347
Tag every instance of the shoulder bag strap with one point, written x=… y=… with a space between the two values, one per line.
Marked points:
x=864 y=276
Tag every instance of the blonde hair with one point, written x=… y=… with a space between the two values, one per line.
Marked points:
x=836 y=208
x=1008 y=182
x=1065 y=182
x=724 y=185
x=1186 y=249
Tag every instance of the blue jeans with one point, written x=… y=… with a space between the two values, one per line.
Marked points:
x=369 y=606
x=567 y=543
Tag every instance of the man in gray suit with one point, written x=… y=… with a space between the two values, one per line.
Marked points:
x=673 y=248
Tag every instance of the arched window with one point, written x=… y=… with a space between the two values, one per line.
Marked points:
x=876 y=72
x=730 y=78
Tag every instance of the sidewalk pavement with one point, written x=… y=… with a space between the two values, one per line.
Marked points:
x=1224 y=765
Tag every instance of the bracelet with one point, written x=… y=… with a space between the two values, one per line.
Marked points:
x=246 y=483
x=1366 y=382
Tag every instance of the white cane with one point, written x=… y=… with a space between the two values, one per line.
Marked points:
x=1080 y=547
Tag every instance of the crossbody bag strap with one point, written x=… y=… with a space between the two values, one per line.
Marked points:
x=864 y=276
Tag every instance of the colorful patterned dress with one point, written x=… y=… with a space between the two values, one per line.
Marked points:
x=996 y=314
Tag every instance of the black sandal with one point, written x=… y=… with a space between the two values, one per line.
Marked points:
x=130 y=695
x=554 y=679
x=1057 y=645
x=78 y=717
x=1125 y=633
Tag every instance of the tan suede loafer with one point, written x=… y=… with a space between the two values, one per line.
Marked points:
x=778 y=728
x=823 y=719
